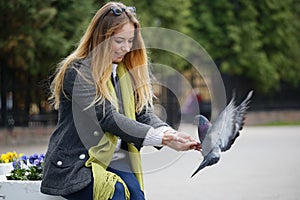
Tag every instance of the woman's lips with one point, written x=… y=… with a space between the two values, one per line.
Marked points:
x=119 y=56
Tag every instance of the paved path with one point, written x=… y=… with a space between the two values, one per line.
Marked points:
x=263 y=164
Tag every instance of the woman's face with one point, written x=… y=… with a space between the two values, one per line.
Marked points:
x=122 y=42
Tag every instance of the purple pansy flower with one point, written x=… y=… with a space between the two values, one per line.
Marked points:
x=37 y=162
x=32 y=158
x=24 y=159
x=16 y=164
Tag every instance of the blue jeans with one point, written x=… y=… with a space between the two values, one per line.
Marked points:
x=121 y=168
x=86 y=193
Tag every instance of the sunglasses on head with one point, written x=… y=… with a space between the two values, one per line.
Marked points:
x=118 y=11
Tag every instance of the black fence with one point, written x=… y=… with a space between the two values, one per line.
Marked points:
x=287 y=98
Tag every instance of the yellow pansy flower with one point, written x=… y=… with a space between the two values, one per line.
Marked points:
x=3 y=157
x=10 y=155
x=15 y=155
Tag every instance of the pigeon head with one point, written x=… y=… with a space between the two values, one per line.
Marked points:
x=202 y=122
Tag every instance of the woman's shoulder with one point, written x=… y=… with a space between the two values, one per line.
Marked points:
x=76 y=66
x=79 y=66
x=79 y=63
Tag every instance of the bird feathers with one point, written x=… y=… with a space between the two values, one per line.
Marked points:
x=220 y=135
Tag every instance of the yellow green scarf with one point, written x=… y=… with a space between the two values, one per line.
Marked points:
x=101 y=155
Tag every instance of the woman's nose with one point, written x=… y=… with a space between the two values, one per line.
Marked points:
x=126 y=47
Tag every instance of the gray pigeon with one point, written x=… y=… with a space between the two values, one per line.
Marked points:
x=219 y=136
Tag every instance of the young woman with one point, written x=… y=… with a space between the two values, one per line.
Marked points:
x=104 y=99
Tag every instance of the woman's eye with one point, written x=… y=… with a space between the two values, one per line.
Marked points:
x=118 y=41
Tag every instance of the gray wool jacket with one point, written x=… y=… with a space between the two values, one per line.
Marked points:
x=80 y=127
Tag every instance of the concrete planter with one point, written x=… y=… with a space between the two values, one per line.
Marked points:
x=27 y=190
x=5 y=168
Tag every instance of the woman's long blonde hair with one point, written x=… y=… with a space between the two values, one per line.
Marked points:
x=101 y=28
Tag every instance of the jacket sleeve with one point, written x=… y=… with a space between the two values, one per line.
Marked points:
x=129 y=130
x=103 y=114
x=147 y=116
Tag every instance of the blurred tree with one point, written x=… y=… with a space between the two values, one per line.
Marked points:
x=170 y=14
x=256 y=39
x=34 y=36
x=37 y=33
x=280 y=29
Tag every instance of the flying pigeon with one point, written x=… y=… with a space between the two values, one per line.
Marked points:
x=220 y=135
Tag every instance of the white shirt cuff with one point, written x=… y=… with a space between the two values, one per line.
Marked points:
x=154 y=136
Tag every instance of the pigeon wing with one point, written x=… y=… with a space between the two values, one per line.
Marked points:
x=238 y=121
x=226 y=127
x=219 y=134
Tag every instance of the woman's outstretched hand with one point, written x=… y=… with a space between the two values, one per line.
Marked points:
x=180 y=141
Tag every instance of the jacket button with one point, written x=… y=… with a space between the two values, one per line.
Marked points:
x=96 y=133
x=59 y=163
x=82 y=156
